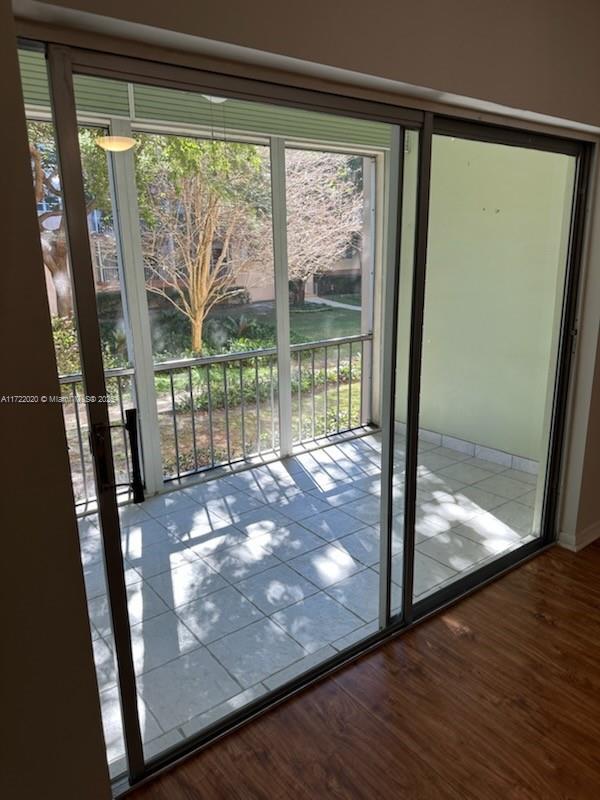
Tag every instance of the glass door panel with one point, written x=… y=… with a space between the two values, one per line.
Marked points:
x=330 y=204
x=206 y=240
x=499 y=225
x=241 y=583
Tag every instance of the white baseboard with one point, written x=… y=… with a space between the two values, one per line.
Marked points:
x=576 y=542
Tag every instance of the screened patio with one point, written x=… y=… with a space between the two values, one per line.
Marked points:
x=238 y=583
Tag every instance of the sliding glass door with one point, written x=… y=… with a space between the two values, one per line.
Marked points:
x=346 y=336
x=499 y=238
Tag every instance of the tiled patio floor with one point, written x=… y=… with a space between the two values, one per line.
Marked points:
x=237 y=584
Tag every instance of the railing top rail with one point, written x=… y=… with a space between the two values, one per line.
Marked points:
x=115 y=372
x=203 y=361
x=359 y=337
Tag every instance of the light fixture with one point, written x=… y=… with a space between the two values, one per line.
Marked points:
x=115 y=144
x=212 y=99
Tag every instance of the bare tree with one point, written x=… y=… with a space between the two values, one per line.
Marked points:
x=195 y=248
x=324 y=213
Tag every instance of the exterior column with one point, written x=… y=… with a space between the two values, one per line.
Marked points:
x=137 y=320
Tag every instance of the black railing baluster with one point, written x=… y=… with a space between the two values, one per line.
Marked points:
x=257 y=405
x=123 y=430
x=349 y=385
x=242 y=410
x=312 y=370
x=226 y=400
x=176 y=438
x=80 y=442
x=193 y=413
x=272 y=404
x=299 y=395
x=337 y=413
x=326 y=427
x=210 y=420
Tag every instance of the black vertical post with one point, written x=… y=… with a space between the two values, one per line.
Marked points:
x=137 y=485
x=414 y=365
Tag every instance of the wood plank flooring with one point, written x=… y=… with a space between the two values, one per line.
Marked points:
x=498 y=697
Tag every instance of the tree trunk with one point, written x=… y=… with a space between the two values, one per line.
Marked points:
x=301 y=292
x=298 y=291
x=54 y=252
x=64 y=297
x=197 y=324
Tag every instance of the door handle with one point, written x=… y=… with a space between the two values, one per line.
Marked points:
x=98 y=447
x=98 y=435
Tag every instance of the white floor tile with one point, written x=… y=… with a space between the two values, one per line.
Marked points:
x=359 y=593
x=256 y=651
x=205 y=544
x=217 y=614
x=190 y=523
x=276 y=588
x=317 y=621
x=290 y=541
x=454 y=551
x=158 y=640
x=168 y=502
x=136 y=538
x=465 y=473
x=299 y=667
x=181 y=689
x=106 y=668
x=339 y=495
x=505 y=487
x=162 y=556
x=186 y=583
x=332 y=524
x=241 y=561
x=113 y=728
x=142 y=603
x=367 y=509
x=222 y=709
x=232 y=506
x=130 y=514
x=356 y=636
x=262 y=520
x=326 y=565
x=520 y=475
x=363 y=545
x=302 y=506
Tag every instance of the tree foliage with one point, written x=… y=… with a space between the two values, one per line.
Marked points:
x=205 y=215
x=48 y=191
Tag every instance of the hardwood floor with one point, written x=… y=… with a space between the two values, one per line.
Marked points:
x=498 y=697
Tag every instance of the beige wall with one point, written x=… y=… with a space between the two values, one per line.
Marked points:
x=52 y=745
x=539 y=55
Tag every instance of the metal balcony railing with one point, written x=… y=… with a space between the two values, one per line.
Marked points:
x=221 y=410
x=120 y=392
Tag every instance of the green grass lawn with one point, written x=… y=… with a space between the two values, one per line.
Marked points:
x=349 y=299
x=310 y=324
